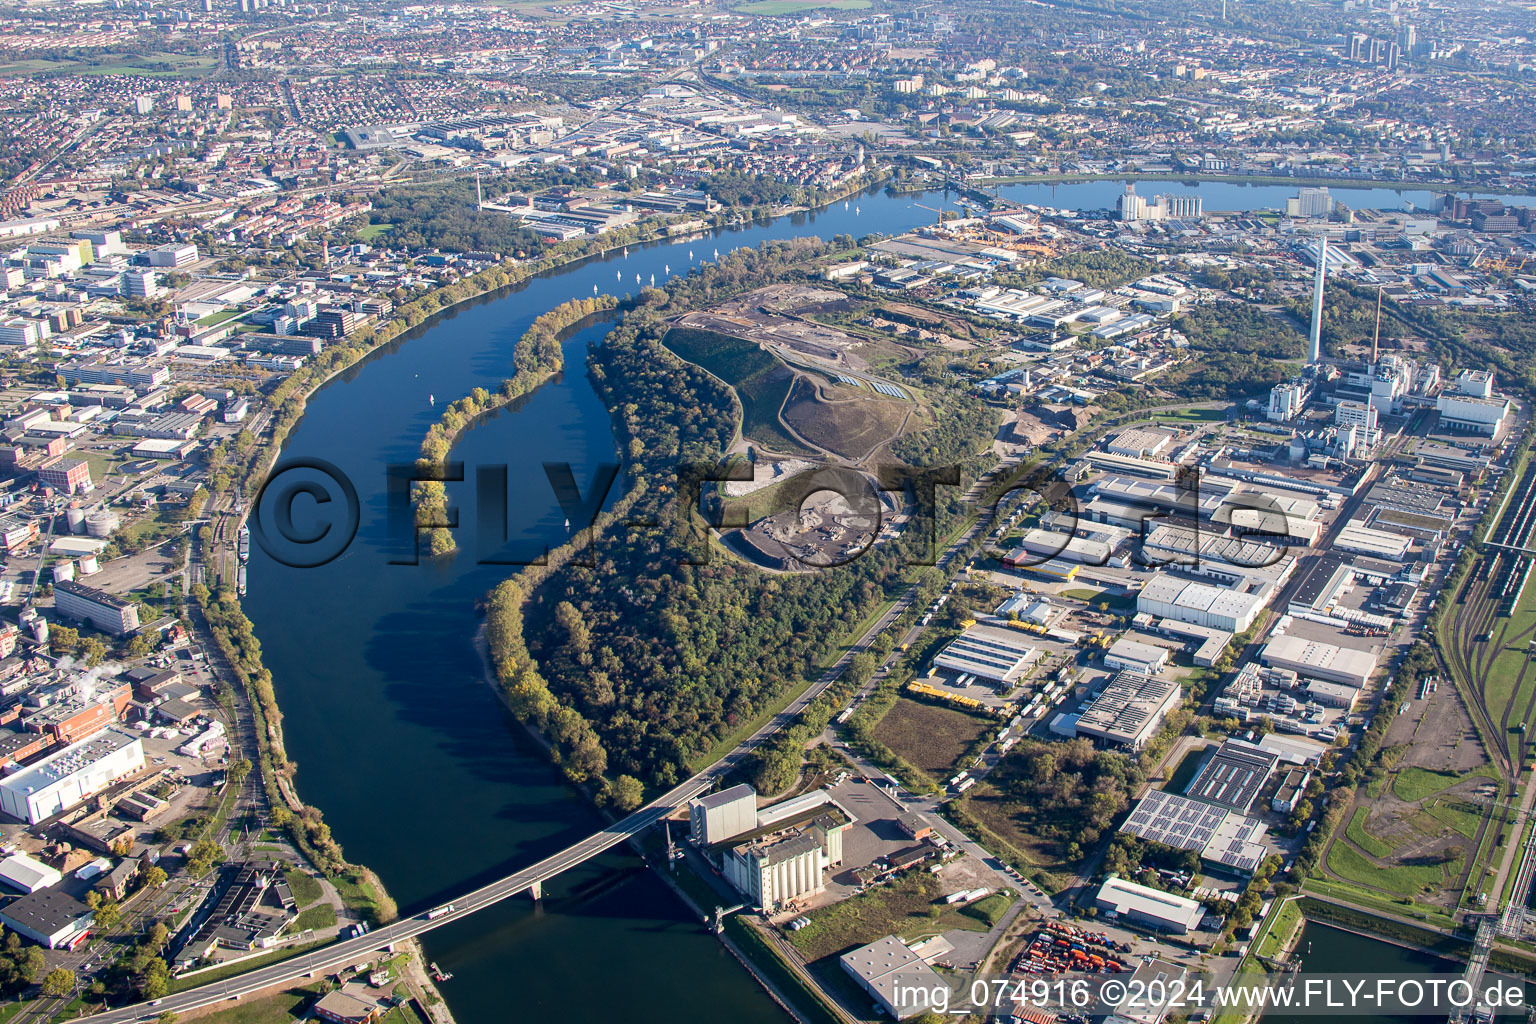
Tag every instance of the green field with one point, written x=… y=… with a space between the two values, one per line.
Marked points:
x=990 y=909
x=761 y=381
x=1403 y=906
x=1357 y=834
x=1459 y=815
x=1192 y=416
x=373 y=232
x=1415 y=784
x=931 y=737
x=185 y=65
x=1406 y=880
x=773 y=7
x=1282 y=925
x=101 y=464
x=319 y=917
x=276 y=1009
x=306 y=888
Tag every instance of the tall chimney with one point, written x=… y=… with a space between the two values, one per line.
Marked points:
x=1315 y=350
x=1376 y=335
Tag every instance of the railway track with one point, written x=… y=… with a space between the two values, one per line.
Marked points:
x=1481 y=624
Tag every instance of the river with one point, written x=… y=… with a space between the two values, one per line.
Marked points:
x=399 y=740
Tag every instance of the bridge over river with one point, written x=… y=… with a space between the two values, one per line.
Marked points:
x=363 y=947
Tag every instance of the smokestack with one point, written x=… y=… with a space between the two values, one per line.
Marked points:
x=1376 y=335
x=1315 y=350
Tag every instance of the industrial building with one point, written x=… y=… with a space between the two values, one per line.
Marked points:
x=788 y=864
x=1472 y=414
x=107 y=612
x=1170 y=597
x=251 y=905
x=775 y=854
x=1209 y=553
x=1322 y=586
x=1362 y=540
x=719 y=816
x=1135 y=656
x=71 y=775
x=175 y=256
x=1292 y=788
x=49 y=917
x=1225 y=839
x=68 y=476
x=1314 y=659
x=1134 y=465
x=1139 y=443
x=1037 y=547
x=1233 y=776
x=1151 y=908
x=895 y=977
x=1333 y=695
x=22 y=872
x=995 y=655
x=1208 y=644
x=1129 y=710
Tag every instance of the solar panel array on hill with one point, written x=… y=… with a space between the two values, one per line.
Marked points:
x=888 y=389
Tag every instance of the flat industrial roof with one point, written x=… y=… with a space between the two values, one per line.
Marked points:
x=989 y=653
x=1126 y=708
x=84 y=592
x=1135 y=650
x=1317 y=660
x=1233 y=776
x=1149 y=902
x=1221 y=835
x=73 y=758
x=896 y=974
x=46 y=912
x=726 y=796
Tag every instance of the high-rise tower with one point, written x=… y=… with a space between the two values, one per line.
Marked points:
x=1315 y=349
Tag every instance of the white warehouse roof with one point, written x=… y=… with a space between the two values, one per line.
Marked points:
x=1317 y=660
x=1178 y=912
x=22 y=872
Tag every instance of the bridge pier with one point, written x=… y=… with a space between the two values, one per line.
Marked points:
x=536 y=890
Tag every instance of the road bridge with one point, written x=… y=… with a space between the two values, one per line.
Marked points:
x=527 y=880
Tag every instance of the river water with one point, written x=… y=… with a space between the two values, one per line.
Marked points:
x=400 y=742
